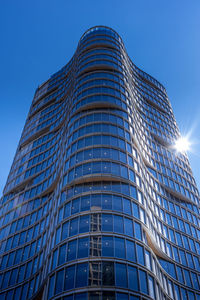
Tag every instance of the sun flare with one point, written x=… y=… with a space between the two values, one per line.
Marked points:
x=182 y=144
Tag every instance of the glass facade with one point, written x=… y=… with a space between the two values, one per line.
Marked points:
x=98 y=205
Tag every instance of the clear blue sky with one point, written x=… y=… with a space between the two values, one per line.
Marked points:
x=39 y=37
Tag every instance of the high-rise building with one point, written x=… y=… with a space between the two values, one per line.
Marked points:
x=98 y=204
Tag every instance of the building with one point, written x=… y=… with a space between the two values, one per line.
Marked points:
x=98 y=203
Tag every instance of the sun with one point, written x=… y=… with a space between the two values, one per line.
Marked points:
x=182 y=144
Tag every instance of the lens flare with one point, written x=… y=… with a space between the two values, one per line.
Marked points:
x=182 y=144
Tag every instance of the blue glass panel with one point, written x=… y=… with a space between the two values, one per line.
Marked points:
x=51 y=286
x=62 y=254
x=83 y=247
x=81 y=296
x=127 y=206
x=119 y=247
x=118 y=224
x=108 y=273
x=143 y=282
x=132 y=278
x=117 y=203
x=130 y=250
x=59 y=281
x=82 y=275
x=65 y=229
x=140 y=254
x=85 y=203
x=128 y=224
x=121 y=275
x=121 y=296
x=107 y=201
x=107 y=222
x=71 y=251
x=84 y=224
x=138 y=233
x=69 y=278
x=73 y=230
x=107 y=246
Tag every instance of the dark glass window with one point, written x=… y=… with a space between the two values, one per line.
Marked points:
x=67 y=210
x=28 y=269
x=81 y=296
x=59 y=281
x=73 y=230
x=83 y=247
x=24 y=292
x=71 y=251
x=62 y=254
x=13 y=276
x=108 y=273
x=84 y=224
x=122 y=296
x=82 y=275
x=65 y=229
x=75 y=205
x=69 y=278
x=54 y=259
x=70 y=297
x=85 y=203
x=108 y=295
x=21 y=273
x=51 y=286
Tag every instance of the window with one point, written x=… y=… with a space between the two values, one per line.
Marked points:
x=132 y=278
x=107 y=222
x=71 y=251
x=62 y=254
x=84 y=224
x=69 y=278
x=128 y=224
x=143 y=282
x=121 y=275
x=51 y=286
x=107 y=246
x=140 y=254
x=82 y=275
x=59 y=281
x=119 y=248
x=108 y=273
x=151 y=287
x=130 y=250
x=118 y=224
x=83 y=247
